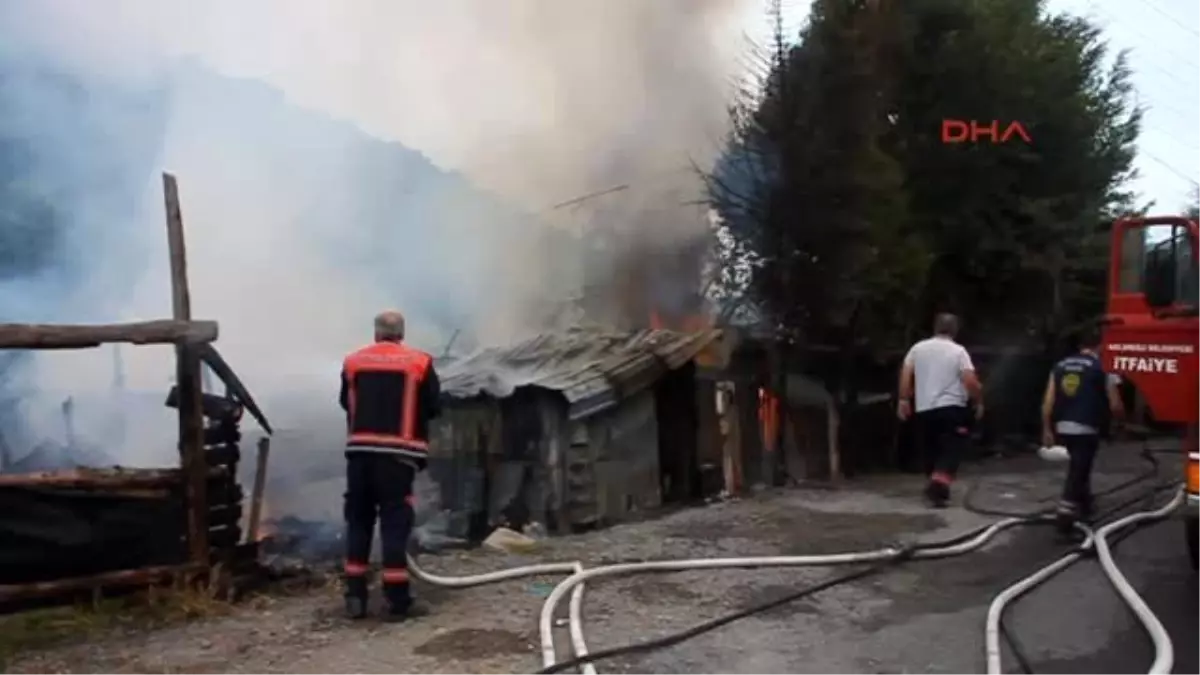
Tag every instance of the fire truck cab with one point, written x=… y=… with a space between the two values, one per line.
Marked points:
x=1150 y=331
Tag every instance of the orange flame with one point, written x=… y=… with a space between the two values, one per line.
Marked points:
x=768 y=418
x=266 y=526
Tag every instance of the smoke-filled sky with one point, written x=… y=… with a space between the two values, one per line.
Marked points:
x=298 y=230
x=538 y=99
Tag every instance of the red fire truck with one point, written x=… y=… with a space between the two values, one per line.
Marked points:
x=1151 y=328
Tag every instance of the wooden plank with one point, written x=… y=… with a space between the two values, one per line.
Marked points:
x=224 y=516
x=223 y=540
x=181 y=299
x=260 y=485
x=137 y=577
x=64 y=336
x=222 y=455
x=191 y=416
x=103 y=479
x=733 y=440
x=223 y=492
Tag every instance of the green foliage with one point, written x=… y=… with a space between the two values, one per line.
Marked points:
x=872 y=222
x=1192 y=208
x=826 y=224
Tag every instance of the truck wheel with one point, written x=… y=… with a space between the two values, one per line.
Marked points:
x=1193 y=533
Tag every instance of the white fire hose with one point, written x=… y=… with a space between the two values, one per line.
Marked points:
x=573 y=584
x=574 y=610
x=549 y=608
x=1164 y=651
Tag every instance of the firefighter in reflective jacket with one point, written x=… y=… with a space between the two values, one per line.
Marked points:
x=390 y=393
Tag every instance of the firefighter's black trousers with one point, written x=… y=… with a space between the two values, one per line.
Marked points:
x=945 y=436
x=1077 y=488
x=379 y=485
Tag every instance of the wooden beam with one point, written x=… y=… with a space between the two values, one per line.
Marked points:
x=63 y=336
x=260 y=484
x=138 y=577
x=93 y=478
x=191 y=416
x=101 y=479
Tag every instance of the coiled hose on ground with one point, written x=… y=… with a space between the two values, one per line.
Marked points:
x=1046 y=514
x=879 y=558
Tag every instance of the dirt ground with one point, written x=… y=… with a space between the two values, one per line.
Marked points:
x=871 y=626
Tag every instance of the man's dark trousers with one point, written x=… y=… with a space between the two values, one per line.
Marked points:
x=379 y=485
x=945 y=435
x=1077 y=488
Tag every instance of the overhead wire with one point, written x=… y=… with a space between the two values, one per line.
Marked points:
x=1170 y=18
x=1185 y=123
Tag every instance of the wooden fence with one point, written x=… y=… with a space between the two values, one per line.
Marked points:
x=161 y=524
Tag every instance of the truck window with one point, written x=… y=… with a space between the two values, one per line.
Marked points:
x=1168 y=249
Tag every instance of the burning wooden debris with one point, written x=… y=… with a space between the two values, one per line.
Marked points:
x=294 y=545
x=77 y=529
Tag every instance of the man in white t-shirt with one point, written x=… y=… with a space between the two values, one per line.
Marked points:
x=938 y=373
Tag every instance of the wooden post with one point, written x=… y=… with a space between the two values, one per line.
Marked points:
x=260 y=484
x=833 y=431
x=734 y=482
x=191 y=418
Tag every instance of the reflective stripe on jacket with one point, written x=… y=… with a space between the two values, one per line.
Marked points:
x=390 y=393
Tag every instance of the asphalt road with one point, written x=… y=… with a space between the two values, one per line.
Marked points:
x=1077 y=624
x=928 y=617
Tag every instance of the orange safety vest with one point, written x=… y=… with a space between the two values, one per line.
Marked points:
x=400 y=434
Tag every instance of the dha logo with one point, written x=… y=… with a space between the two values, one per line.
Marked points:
x=972 y=131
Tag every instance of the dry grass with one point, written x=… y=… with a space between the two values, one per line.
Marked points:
x=151 y=608
x=147 y=609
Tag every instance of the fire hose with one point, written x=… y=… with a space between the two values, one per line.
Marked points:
x=1097 y=540
x=574 y=609
x=574 y=583
x=959 y=545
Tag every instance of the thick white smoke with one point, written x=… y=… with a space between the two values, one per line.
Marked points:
x=536 y=101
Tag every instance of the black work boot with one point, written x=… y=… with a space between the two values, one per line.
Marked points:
x=356 y=607
x=356 y=598
x=1065 y=517
x=937 y=494
x=415 y=610
x=400 y=606
x=1087 y=509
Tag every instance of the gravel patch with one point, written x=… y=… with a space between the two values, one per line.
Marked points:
x=883 y=624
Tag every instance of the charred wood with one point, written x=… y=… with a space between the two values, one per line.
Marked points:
x=101 y=479
x=256 y=494
x=221 y=538
x=221 y=434
x=224 y=516
x=224 y=492
x=214 y=407
x=134 y=577
x=223 y=455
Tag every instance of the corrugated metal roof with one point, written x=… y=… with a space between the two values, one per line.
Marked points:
x=592 y=369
